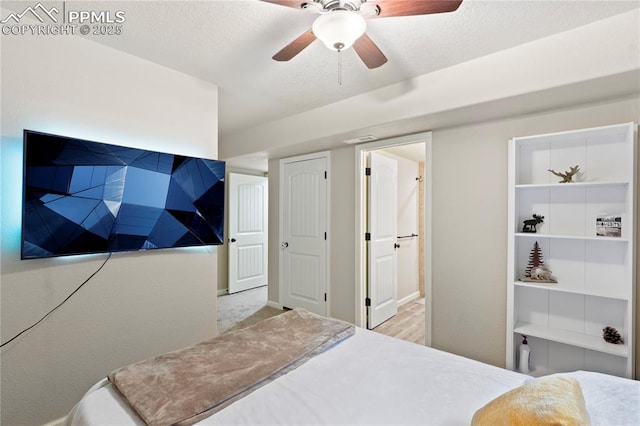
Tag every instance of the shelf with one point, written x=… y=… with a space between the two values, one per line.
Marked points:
x=613 y=131
x=570 y=185
x=569 y=237
x=557 y=287
x=585 y=341
x=596 y=274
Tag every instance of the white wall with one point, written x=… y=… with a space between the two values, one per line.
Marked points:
x=140 y=304
x=342 y=298
x=273 y=289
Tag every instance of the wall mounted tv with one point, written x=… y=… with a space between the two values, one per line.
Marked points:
x=83 y=197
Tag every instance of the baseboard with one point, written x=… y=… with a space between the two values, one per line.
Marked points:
x=409 y=298
x=223 y=292
x=56 y=422
x=274 y=305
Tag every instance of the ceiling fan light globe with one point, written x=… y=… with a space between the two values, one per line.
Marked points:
x=339 y=29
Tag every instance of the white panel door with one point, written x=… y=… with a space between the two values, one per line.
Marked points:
x=247 y=232
x=383 y=227
x=303 y=247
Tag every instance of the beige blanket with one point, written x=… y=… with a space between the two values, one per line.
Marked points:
x=188 y=385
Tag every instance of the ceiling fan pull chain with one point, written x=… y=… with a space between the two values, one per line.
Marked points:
x=340 y=68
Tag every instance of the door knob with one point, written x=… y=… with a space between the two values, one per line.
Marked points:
x=285 y=244
x=232 y=240
x=396 y=245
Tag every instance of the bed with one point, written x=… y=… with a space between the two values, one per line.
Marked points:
x=372 y=379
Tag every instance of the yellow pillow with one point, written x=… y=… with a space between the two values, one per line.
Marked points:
x=551 y=400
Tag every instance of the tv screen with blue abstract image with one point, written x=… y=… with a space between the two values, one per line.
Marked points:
x=85 y=197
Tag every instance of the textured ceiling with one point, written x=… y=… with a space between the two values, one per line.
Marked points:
x=230 y=43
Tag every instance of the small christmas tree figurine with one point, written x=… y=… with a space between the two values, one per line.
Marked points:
x=535 y=260
x=611 y=335
x=536 y=271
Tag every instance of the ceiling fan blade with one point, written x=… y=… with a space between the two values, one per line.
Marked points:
x=369 y=52
x=296 y=4
x=295 y=47
x=390 y=8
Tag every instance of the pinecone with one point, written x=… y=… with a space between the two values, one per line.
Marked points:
x=611 y=335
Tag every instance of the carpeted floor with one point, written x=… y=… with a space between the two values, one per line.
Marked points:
x=244 y=308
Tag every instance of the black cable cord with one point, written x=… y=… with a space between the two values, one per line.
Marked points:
x=59 y=304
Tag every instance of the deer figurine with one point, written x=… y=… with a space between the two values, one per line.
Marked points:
x=530 y=224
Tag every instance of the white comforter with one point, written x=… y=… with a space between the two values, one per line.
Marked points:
x=372 y=379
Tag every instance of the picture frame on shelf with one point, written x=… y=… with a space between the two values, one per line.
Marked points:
x=609 y=226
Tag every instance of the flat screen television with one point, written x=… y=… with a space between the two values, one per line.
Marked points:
x=82 y=197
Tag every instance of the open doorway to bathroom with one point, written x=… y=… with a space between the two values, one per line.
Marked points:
x=412 y=240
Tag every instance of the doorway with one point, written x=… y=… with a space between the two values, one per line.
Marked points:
x=248 y=222
x=304 y=225
x=414 y=231
x=243 y=299
x=382 y=237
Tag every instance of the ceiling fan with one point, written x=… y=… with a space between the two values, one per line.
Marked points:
x=342 y=23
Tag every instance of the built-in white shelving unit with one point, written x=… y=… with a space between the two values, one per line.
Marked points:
x=595 y=274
